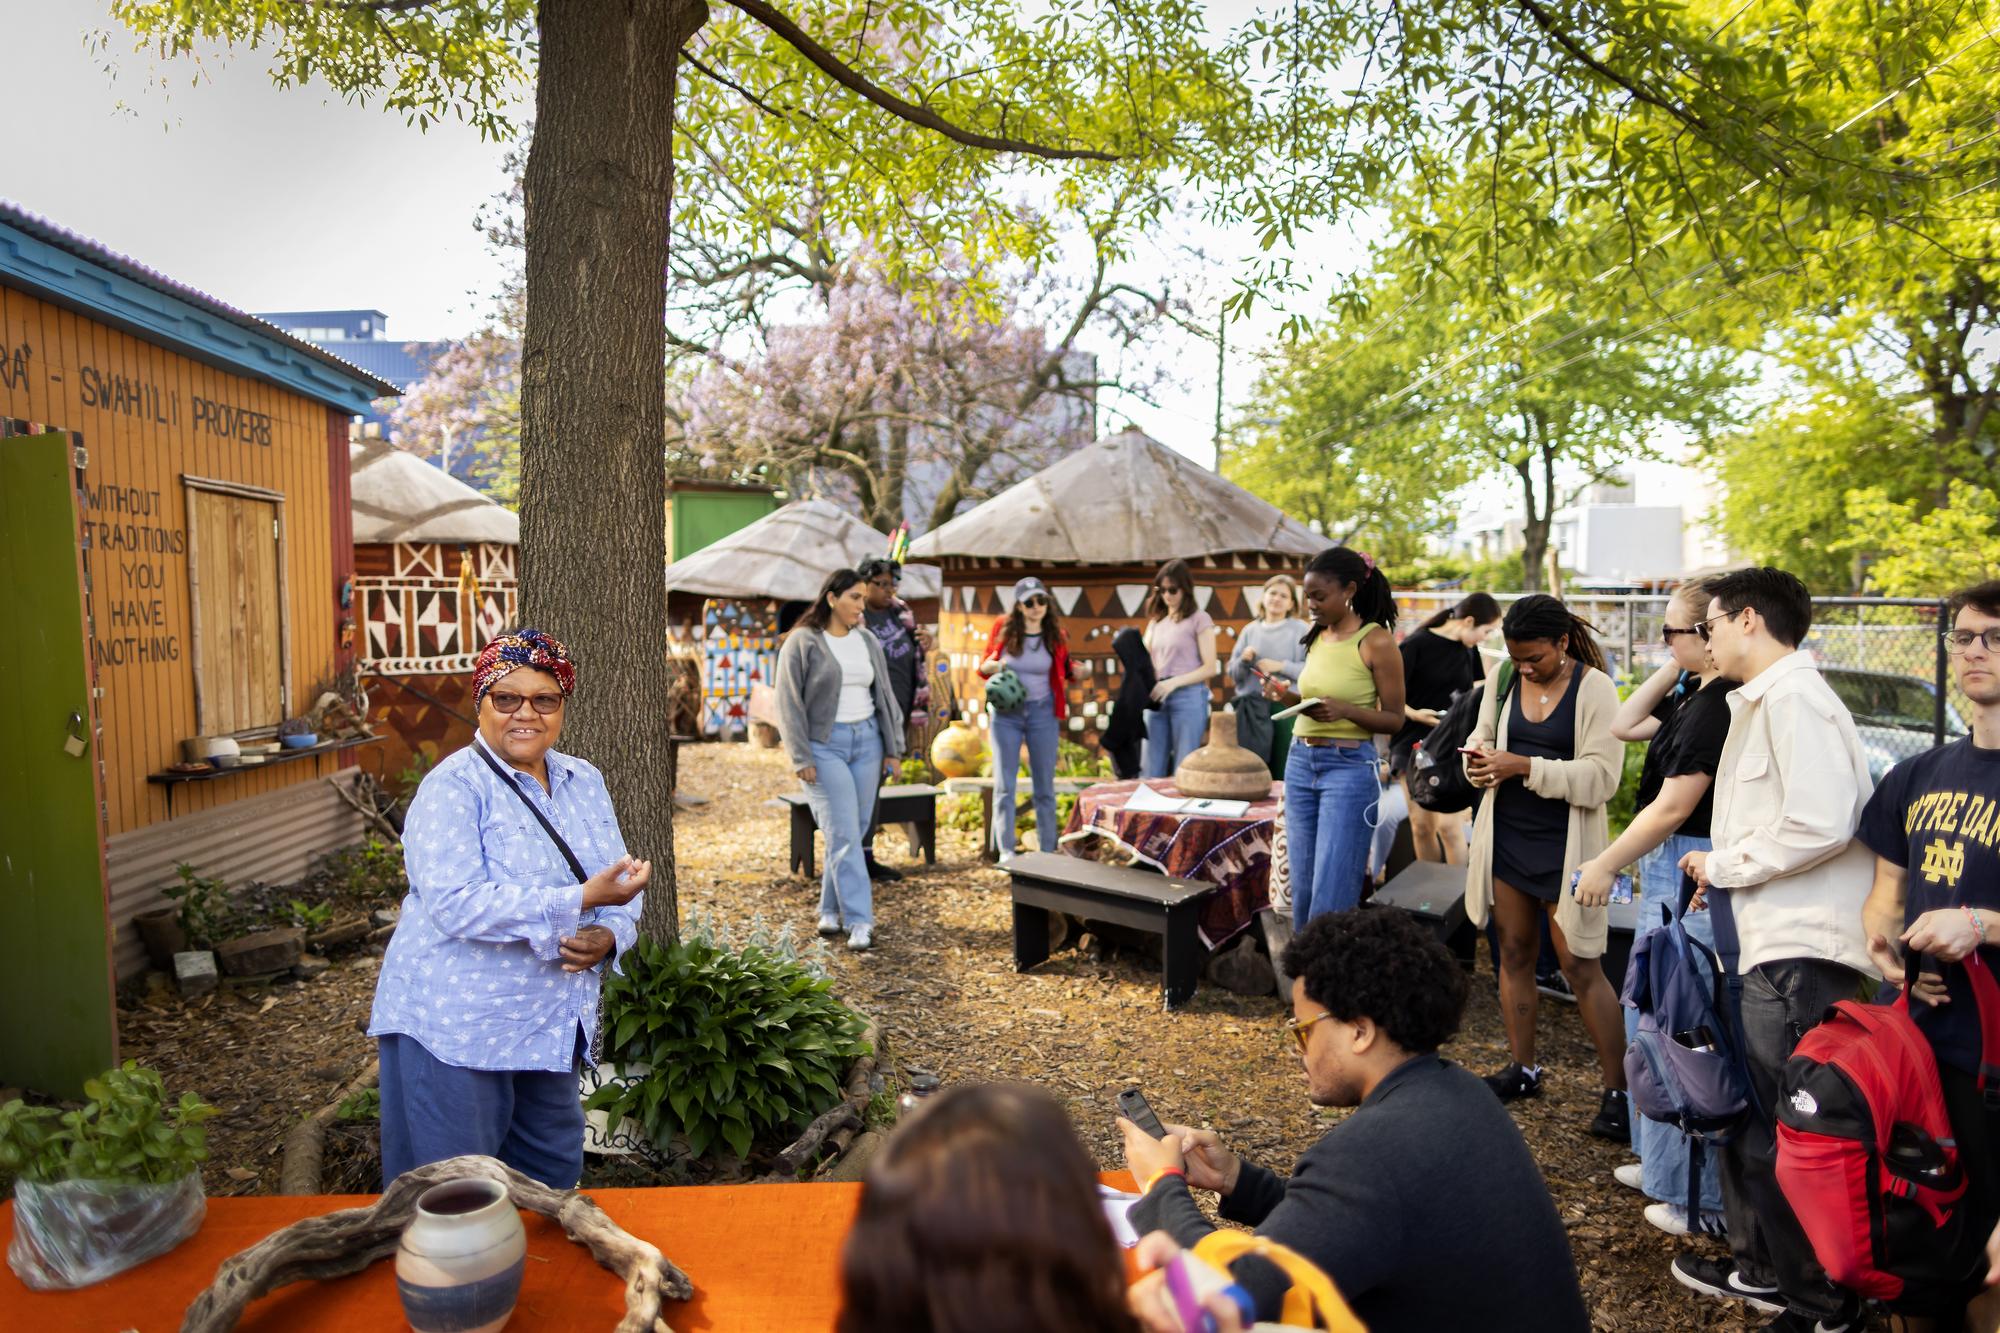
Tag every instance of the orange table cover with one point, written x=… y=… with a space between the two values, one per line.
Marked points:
x=762 y=1258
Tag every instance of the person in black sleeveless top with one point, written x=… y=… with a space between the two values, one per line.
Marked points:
x=1440 y=662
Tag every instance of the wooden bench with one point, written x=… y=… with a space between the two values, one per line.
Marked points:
x=903 y=803
x=1023 y=798
x=1045 y=882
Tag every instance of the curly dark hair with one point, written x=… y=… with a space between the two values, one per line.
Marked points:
x=1380 y=963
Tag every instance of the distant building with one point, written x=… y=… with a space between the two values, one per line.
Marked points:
x=361 y=337
x=1608 y=537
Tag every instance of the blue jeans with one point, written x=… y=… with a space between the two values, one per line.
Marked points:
x=1330 y=801
x=1034 y=723
x=1391 y=809
x=1662 y=1148
x=848 y=764
x=1175 y=730
x=530 y=1119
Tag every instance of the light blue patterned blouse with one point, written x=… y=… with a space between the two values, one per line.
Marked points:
x=474 y=970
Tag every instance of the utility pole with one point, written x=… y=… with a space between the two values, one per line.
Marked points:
x=1221 y=360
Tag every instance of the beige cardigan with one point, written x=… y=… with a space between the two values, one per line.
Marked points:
x=1587 y=782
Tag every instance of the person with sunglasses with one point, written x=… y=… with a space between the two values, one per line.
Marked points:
x=1786 y=881
x=521 y=896
x=1428 y=1169
x=1682 y=711
x=1029 y=641
x=1180 y=636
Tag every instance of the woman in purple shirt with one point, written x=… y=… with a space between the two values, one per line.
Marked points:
x=1181 y=639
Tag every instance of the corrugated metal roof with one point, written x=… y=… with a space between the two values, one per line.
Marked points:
x=1127 y=499
x=787 y=555
x=82 y=247
x=398 y=497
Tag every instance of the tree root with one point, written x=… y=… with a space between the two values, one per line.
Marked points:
x=337 y=1244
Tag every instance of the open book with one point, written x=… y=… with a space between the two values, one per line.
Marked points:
x=1147 y=800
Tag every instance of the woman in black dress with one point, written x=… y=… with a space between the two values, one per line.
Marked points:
x=1440 y=662
x=1545 y=752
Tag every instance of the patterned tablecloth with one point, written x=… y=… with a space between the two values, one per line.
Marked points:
x=1232 y=852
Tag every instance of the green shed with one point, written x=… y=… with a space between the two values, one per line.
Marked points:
x=701 y=513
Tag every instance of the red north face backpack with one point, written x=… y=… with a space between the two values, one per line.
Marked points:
x=1865 y=1152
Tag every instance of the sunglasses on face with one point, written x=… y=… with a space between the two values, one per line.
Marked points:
x=1668 y=633
x=1300 y=1031
x=1037 y=600
x=509 y=703
x=1702 y=627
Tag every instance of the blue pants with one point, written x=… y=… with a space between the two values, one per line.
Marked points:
x=1662 y=1148
x=1330 y=800
x=1392 y=808
x=849 y=767
x=1175 y=730
x=1033 y=723
x=530 y=1119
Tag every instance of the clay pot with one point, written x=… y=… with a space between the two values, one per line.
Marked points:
x=160 y=930
x=958 y=749
x=1222 y=769
x=460 y=1262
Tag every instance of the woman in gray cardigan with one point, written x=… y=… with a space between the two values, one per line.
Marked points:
x=843 y=731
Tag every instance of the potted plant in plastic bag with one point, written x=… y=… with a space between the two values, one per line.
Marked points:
x=106 y=1186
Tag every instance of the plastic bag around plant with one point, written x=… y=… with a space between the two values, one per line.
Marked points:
x=71 y=1233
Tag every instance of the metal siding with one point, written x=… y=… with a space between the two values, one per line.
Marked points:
x=272 y=838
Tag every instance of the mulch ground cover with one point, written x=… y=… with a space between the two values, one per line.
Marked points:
x=941 y=985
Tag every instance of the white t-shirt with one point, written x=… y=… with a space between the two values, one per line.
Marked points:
x=857 y=676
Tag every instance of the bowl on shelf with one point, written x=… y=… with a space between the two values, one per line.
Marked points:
x=300 y=742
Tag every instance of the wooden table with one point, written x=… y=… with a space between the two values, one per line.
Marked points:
x=763 y=1259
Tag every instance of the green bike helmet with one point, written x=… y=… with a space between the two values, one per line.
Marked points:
x=1004 y=691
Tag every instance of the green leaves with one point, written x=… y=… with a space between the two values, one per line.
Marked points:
x=739 y=1045
x=127 y=1132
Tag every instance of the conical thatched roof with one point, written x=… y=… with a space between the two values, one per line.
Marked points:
x=398 y=497
x=1125 y=500
x=788 y=553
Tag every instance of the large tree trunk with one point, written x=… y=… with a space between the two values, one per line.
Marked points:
x=598 y=190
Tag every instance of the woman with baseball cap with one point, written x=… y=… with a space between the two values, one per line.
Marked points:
x=1029 y=643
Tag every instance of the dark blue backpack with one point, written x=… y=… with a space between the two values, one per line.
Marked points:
x=1684 y=1068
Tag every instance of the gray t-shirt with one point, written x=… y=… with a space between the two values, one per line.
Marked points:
x=1033 y=665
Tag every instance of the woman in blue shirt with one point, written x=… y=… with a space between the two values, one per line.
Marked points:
x=521 y=892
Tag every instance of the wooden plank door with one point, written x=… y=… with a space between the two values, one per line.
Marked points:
x=56 y=987
x=235 y=573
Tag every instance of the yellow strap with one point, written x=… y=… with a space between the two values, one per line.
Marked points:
x=1311 y=1302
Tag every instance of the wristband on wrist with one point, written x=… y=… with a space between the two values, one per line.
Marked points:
x=1160 y=1175
x=1244 y=1301
x=1978 y=923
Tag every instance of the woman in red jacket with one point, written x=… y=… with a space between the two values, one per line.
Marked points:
x=1029 y=641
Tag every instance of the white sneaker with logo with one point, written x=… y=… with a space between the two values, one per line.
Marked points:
x=1673 y=1219
x=829 y=924
x=861 y=937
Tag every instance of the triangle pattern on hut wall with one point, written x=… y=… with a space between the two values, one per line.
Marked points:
x=1003 y=598
x=1202 y=596
x=1133 y=595
x=967 y=596
x=1066 y=597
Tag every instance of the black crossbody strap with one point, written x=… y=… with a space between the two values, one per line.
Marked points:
x=507 y=781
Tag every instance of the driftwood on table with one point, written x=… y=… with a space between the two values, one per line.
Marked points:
x=336 y=1244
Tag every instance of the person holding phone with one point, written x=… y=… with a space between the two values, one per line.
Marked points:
x=1682 y=710
x=1544 y=751
x=1353 y=678
x=1268 y=649
x=843 y=732
x=1180 y=636
x=1440 y=662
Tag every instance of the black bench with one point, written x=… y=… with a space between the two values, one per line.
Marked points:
x=906 y=803
x=1045 y=882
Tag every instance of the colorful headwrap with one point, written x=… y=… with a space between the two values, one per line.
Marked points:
x=523 y=648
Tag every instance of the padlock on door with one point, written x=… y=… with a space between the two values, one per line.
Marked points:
x=74 y=743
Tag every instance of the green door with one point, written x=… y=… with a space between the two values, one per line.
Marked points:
x=56 y=980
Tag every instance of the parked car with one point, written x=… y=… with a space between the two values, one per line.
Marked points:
x=1896 y=715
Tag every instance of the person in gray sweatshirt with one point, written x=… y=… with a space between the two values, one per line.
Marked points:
x=1272 y=645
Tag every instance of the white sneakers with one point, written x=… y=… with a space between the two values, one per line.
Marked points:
x=1673 y=1219
x=829 y=924
x=861 y=937
x=1632 y=1175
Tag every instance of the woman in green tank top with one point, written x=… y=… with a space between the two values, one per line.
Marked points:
x=1354 y=678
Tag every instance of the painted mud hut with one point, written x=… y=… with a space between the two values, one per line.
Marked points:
x=723 y=602
x=435 y=577
x=1096 y=527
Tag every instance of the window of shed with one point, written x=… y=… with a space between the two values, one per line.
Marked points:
x=236 y=591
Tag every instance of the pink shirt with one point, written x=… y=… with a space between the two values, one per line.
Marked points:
x=1176 y=644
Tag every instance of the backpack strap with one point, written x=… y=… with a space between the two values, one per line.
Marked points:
x=575 y=866
x=1986 y=995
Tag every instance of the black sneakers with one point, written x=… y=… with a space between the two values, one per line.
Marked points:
x=1514 y=1081
x=1614 y=1117
x=1719 y=1278
x=880 y=873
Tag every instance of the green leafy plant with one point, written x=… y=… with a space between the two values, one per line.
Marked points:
x=363 y=1105
x=368 y=872
x=128 y=1133
x=310 y=916
x=1624 y=804
x=741 y=1045
x=915 y=769
x=203 y=907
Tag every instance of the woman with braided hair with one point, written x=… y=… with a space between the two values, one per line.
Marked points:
x=1545 y=751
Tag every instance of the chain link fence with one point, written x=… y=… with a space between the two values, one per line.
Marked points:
x=1882 y=655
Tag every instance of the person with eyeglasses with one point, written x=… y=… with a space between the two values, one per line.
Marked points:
x=1934 y=826
x=1180 y=636
x=522 y=895
x=1682 y=711
x=843 y=731
x=1785 y=882
x=905 y=646
x=1427 y=1170
x=1029 y=641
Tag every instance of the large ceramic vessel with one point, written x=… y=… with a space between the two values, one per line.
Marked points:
x=1222 y=769
x=459 y=1266
x=958 y=749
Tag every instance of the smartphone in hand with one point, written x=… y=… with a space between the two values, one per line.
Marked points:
x=1133 y=1106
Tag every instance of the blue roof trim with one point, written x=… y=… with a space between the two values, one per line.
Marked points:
x=217 y=335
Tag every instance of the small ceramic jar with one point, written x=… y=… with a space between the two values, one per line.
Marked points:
x=459 y=1266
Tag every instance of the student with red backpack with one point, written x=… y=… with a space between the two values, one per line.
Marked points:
x=1934 y=827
